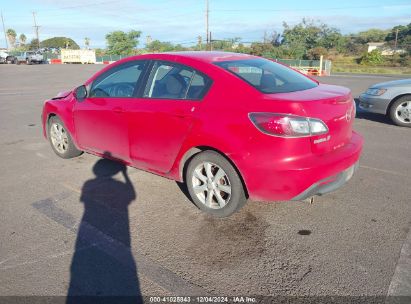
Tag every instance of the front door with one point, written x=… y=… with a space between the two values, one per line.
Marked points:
x=100 y=120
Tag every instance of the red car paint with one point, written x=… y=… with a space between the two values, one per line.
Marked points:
x=160 y=135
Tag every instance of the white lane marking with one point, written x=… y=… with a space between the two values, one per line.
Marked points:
x=385 y=171
x=368 y=123
x=41 y=155
x=70 y=187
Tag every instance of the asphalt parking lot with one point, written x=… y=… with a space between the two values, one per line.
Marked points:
x=347 y=243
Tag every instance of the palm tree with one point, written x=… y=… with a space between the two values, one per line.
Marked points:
x=87 y=42
x=11 y=36
x=22 y=39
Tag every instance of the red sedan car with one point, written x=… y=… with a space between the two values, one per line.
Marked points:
x=231 y=126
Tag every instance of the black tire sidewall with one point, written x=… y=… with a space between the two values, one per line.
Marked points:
x=72 y=151
x=238 y=197
x=393 y=110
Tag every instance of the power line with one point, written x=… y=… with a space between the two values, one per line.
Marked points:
x=299 y=9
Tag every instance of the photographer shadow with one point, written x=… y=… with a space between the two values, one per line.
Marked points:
x=103 y=265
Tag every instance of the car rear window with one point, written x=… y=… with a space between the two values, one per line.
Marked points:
x=267 y=76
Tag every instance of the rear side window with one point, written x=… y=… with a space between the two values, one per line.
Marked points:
x=199 y=85
x=267 y=76
x=172 y=81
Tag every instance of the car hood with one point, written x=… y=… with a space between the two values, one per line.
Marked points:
x=394 y=83
x=62 y=95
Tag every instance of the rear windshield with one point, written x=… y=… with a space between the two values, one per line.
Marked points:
x=267 y=76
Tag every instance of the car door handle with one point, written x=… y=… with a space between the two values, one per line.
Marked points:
x=118 y=110
x=184 y=113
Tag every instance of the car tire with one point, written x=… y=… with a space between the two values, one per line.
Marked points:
x=60 y=139
x=400 y=111
x=219 y=193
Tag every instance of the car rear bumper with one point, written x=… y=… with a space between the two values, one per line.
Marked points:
x=328 y=184
x=373 y=104
x=306 y=176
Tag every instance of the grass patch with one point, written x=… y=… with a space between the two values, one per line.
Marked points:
x=349 y=64
x=371 y=69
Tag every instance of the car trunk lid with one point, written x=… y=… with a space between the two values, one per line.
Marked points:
x=334 y=105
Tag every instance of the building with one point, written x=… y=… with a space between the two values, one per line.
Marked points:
x=385 y=50
x=374 y=46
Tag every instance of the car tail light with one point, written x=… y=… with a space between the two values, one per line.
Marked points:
x=285 y=125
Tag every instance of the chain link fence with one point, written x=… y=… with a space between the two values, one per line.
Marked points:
x=312 y=67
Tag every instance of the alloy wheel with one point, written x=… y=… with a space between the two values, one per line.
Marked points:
x=211 y=185
x=59 y=137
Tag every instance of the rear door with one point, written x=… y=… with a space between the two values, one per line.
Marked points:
x=160 y=120
x=100 y=119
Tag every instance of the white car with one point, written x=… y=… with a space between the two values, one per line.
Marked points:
x=392 y=98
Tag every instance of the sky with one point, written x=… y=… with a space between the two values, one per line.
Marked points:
x=182 y=21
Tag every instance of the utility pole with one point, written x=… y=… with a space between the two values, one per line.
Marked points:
x=200 y=42
x=396 y=39
x=4 y=30
x=36 y=29
x=207 y=31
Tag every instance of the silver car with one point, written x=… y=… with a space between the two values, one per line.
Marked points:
x=392 y=98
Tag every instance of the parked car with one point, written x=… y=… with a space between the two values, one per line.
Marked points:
x=392 y=98
x=231 y=126
x=5 y=57
x=30 y=57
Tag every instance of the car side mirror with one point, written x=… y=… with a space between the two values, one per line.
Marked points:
x=80 y=93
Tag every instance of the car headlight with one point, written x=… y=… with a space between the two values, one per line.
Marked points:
x=375 y=92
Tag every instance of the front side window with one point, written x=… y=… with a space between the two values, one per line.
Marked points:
x=121 y=81
x=170 y=81
x=267 y=76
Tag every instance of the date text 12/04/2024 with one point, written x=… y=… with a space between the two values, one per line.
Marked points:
x=188 y=299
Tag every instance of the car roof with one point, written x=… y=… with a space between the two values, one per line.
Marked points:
x=212 y=56
x=204 y=56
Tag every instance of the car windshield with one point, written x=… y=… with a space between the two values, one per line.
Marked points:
x=267 y=76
